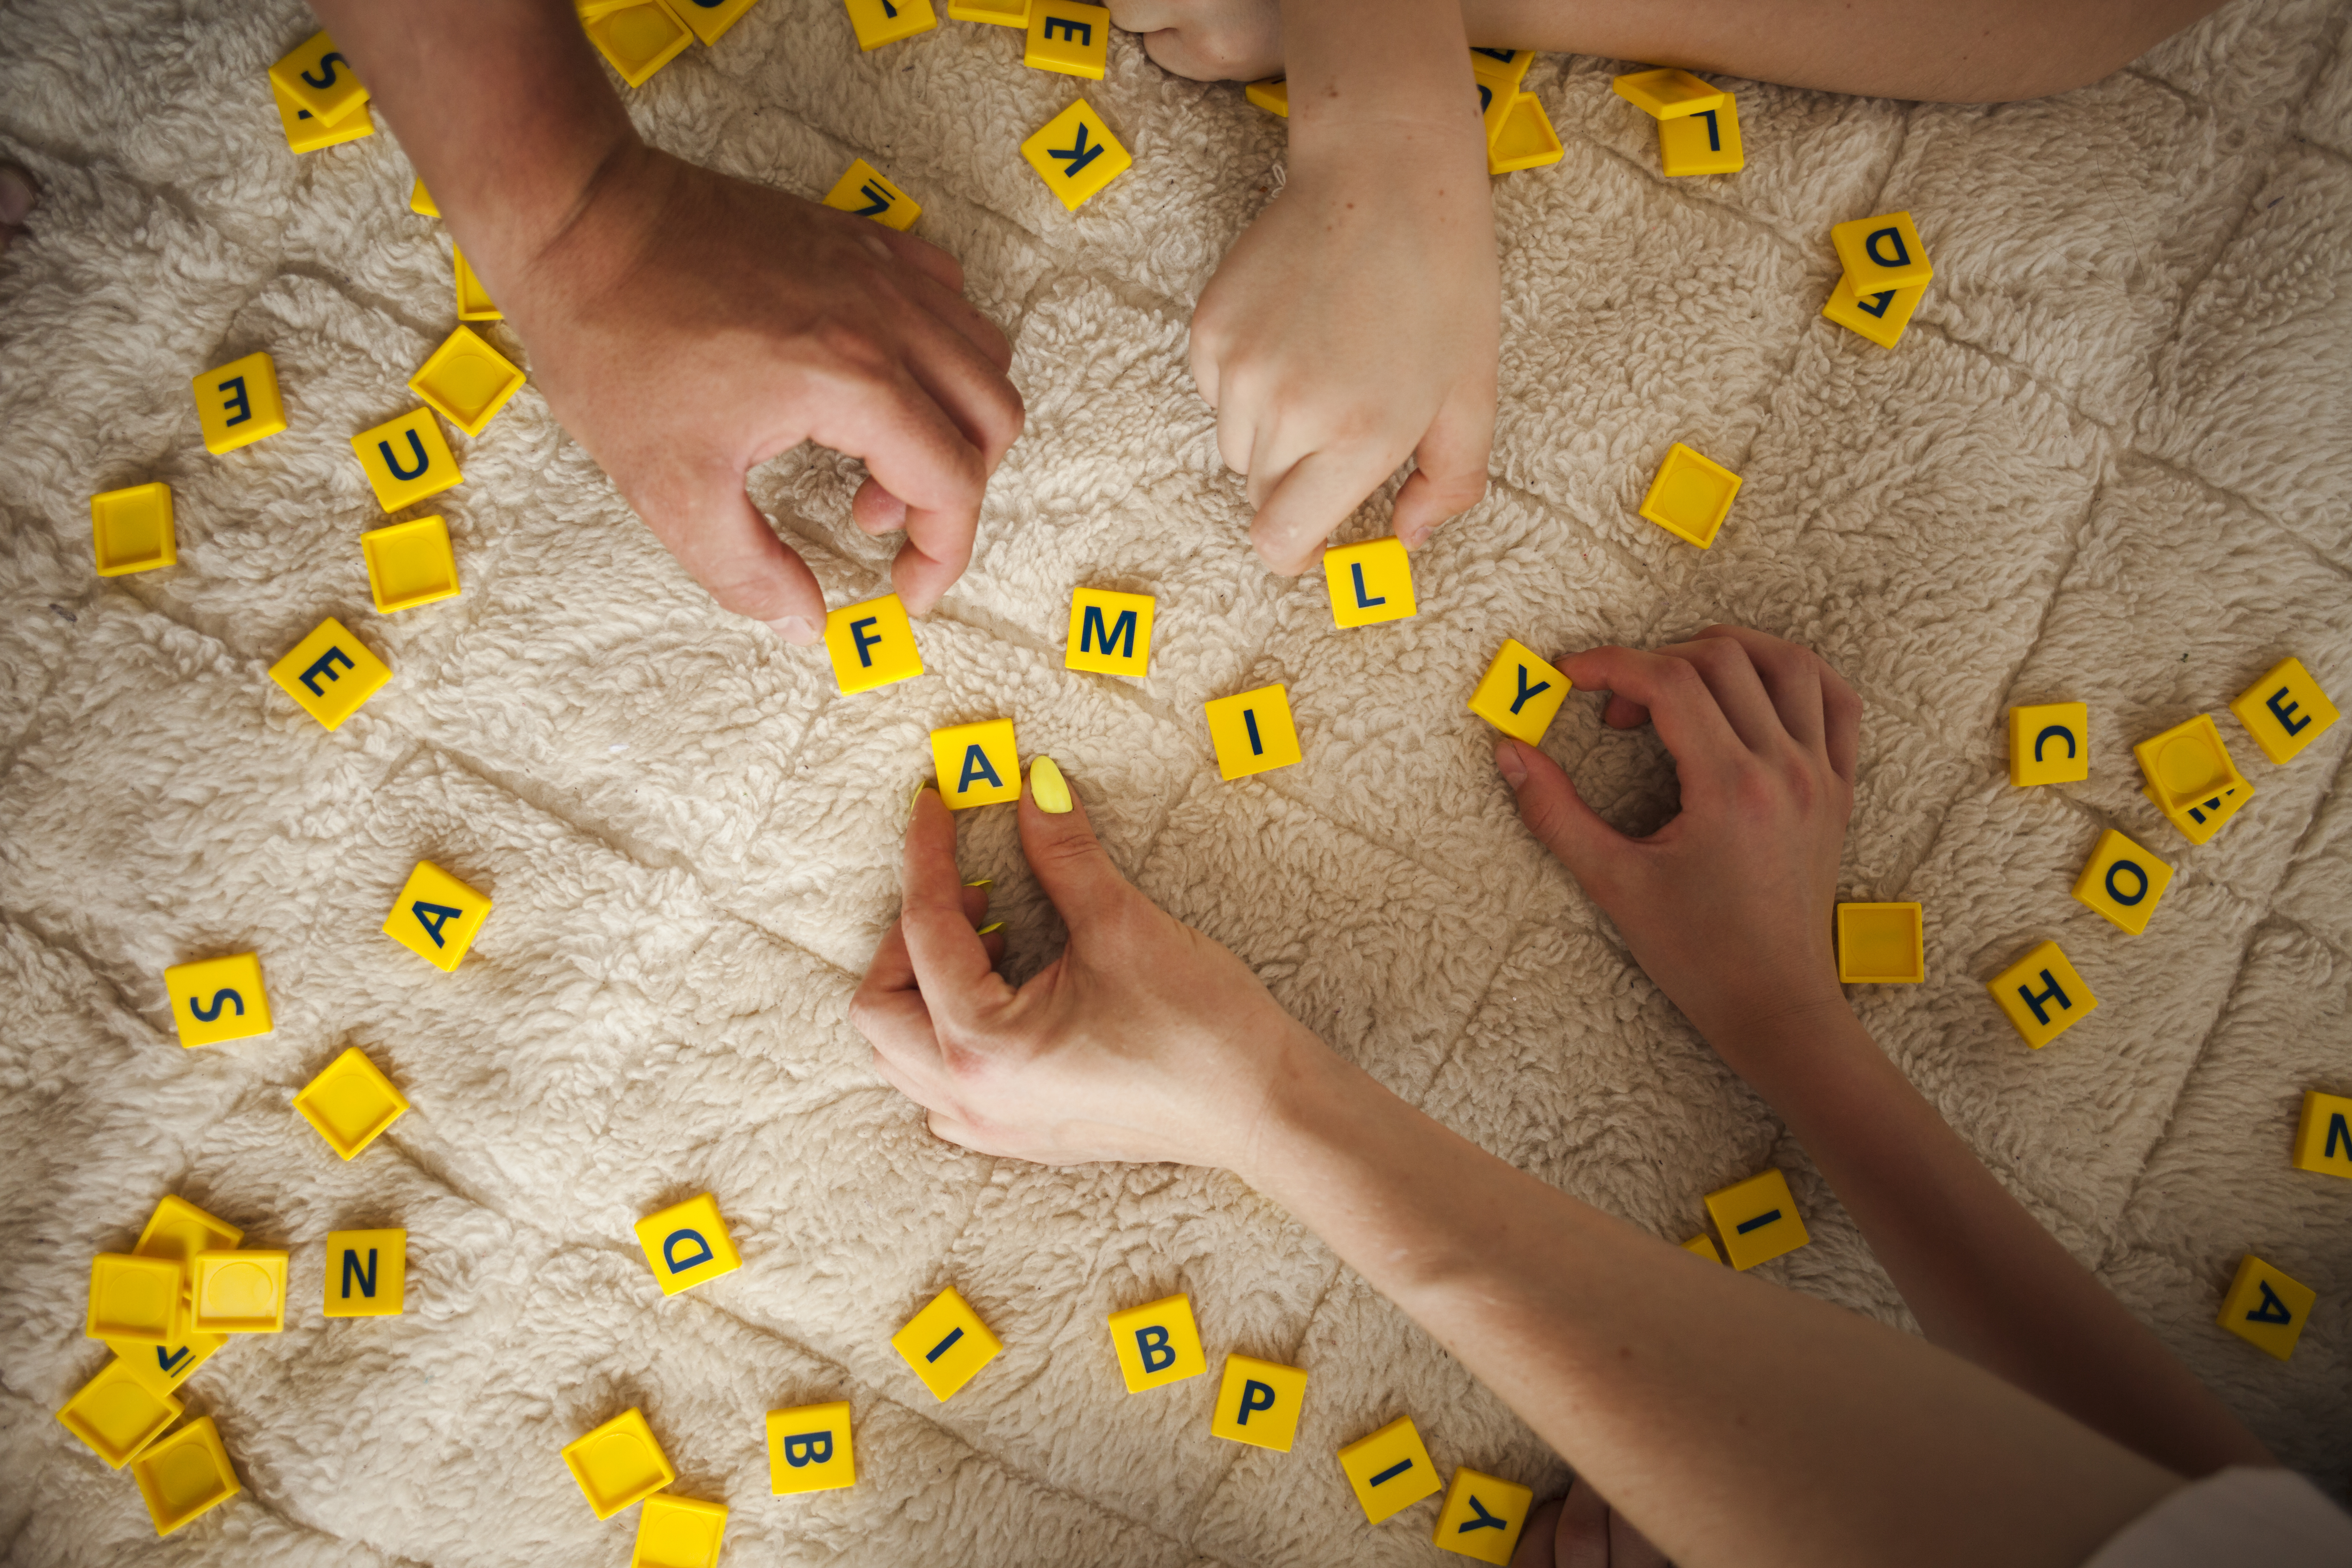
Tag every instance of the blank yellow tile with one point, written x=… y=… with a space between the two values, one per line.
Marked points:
x=238 y=1292
x=350 y=1102
x=132 y=1298
x=1667 y=94
x=1525 y=140
x=638 y=40
x=117 y=1414
x=1002 y=13
x=618 y=1464
x=466 y=381
x=183 y=1475
x=473 y=301
x=409 y=563
x=1272 y=95
x=678 y=1531
x=1881 y=944
x=131 y=530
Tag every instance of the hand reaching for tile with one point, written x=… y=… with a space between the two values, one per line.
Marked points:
x=1207 y=40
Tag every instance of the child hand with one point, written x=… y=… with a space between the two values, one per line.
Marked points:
x=1143 y=1041
x=1353 y=324
x=1728 y=906
x=687 y=327
x=1207 y=40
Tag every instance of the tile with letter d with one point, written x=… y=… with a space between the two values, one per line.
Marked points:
x=218 y=999
x=1388 y=1469
x=2265 y=1308
x=946 y=1343
x=686 y=1244
x=2043 y=995
x=871 y=644
x=2284 y=711
x=1156 y=1343
x=1370 y=583
x=1076 y=155
x=436 y=916
x=810 y=1450
x=1757 y=1219
x=367 y=1273
x=1482 y=1516
x=1252 y=731
x=977 y=765
x=2123 y=881
x=1519 y=693
x=1706 y=143
x=1881 y=253
x=1881 y=317
x=406 y=460
x=1259 y=1402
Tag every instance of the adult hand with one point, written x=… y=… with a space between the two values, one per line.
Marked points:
x=1581 y=1531
x=1207 y=40
x=686 y=327
x=1143 y=1041
x=1728 y=906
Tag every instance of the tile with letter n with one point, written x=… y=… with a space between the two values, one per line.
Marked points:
x=367 y=1273
x=946 y=1343
x=2323 y=1136
x=1757 y=1219
x=436 y=916
x=1076 y=155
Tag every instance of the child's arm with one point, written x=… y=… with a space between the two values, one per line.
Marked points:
x=1354 y=324
x=1764 y=736
x=685 y=326
x=1735 y=1421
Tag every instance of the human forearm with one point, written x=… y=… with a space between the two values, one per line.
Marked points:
x=1381 y=80
x=1983 y=1277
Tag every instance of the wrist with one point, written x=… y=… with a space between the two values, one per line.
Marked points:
x=1307 y=1087
x=583 y=245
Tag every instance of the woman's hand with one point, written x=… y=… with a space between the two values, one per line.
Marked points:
x=1143 y=1041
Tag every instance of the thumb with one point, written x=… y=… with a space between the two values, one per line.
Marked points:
x=1595 y=854
x=1062 y=848
x=724 y=543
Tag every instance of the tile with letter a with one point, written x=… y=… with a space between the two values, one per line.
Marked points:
x=2266 y=1309
x=1076 y=155
x=436 y=916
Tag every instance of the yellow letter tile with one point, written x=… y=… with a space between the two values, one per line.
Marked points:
x=638 y=40
x=1881 y=253
x=1757 y=1219
x=466 y=381
x=709 y=18
x=436 y=916
x=864 y=193
x=163 y=1368
x=2043 y=995
x=409 y=563
x=1520 y=693
x=131 y=530
x=117 y=1414
x=330 y=673
x=350 y=1102
x=810 y=1450
x=1503 y=69
x=872 y=645
x=132 y=1298
x=678 y=1531
x=2049 y=742
x=880 y=22
x=367 y=1273
x=237 y=404
x=1272 y=95
x=1110 y=633
x=1691 y=496
x=317 y=77
x=2323 y=1139
x=1388 y=1469
x=1069 y=36
x=1706 y=143
x=2123 y=881
x=977 y=765
x=686 y=1244
x=1482 y=1516
x=2191 y=777
x=406 y=460
x=1524 y=138
x=183 y=1475
x=241 y=1292
x=1370 y=583
x=617 y=1464
x=2283 y=711
x=217 y=999
x=1668 y=94
x=1880 y=317
x=1259 y=1402
x=946 y=1343
x=1252 y=731
x=1156 y=1343
x=1881 y=944
x=473 y=299
x=2266 y=1309
x=306 y=132
x=1076 y=155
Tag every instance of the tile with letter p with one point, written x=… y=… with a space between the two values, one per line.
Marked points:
x=1259 y=1402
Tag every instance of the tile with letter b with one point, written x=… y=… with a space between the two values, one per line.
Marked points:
x=678 y=1531
x=1757 y=1219
x=2043 y=995
x=2123 y=881
x=871 y=644
x=131 y=530
x=217 y=999
x=1519 y=693
x=409 y=563
x=1880 y=317
x=1881 y=944
x=406 y=460
x=1259 y=1402
x=1668 y=94
x=350 y=1102
x=237 y=404
x=686 y=1244
x=880 y=22
x=330 y=673
x=619 y=1463
x=185 y=1475
x=367 y=1273
x=1881 y=253
x=1370 y=583
x=1110 y=633
x=117 y=1414
x=1482 y=1516
x=466 y=381
x=2049 y=742
x=2284 y=711
x=977 y=765
x=810 y=1450
x=946 y=1343
x=864 y=193
x=2265 y=1308
x=134 y=1300
x=1156 y=1343
x=1076 y=155
x=2323 y=1137
x=1706 y=143
x=316 y=76
x=1388 y=1469
x=436 y=916
x=1252 y=731
x=1067 y=36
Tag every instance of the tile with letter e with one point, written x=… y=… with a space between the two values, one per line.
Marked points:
x=1881 y=253
x=1110 y=633
x=131 y=530
x=977 y=765
x=2265 y=1308
x=809 y=1449
x=2323 y=1137
x=1156 y=1343
x=237 y=404
x=1881 y=944
x=1691 y=496
x=217 y=999
x=2049 y=742
x=1519 y=693
x=134 y=1300
x=466 y=381
x=864 y=193
x=678 y=1531
x=1706 y=143
x=239 y=1292
x=117 y=1414
x=330 y=673
x=880 y=22
x=946 y=1343
x=1252 y=731
x=306 y=132
x=185 y=1475
x=1524 y=138
x=367 y=1273
x=1388 y=1469
x=406 y=460
x=350 y=1102
x=619 y=1463
x=1370 y=583
x=474 y=302
x=1757 y=1219
x=871 y=644
x=686 y=1244
x=1668 y=94
x=1076 y=155
x=638 y=40
x=709 y=18
x=1482 y=1516
x=2123 y=881
x=316 y=75
x=1067 y=36
x=1880 y=317
x=1259 y=1402
x=2043 y=995
x=2284 y=711
x=436 y=916
x=409 y=563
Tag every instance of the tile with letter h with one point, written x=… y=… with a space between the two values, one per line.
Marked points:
x=946 y=1344
x=1156 y=1343
x=2043 y=995
x=686 y=1244
x=809 y=1449
x=1259 y=1402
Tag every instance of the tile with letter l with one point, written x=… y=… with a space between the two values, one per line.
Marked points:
x=1370 y=583
x=862 y=192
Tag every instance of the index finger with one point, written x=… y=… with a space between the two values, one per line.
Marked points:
x=916 y=454
x=950 y=960
x=1686 y=714
x=1307 y=502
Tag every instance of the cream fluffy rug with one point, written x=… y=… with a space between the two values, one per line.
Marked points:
x=2112 y=462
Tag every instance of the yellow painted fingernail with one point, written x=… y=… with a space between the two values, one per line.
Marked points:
x=992 y=925
x=919 y=796
x=983 y=882
x=1046 y=782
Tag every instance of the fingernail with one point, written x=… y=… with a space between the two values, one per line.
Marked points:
x=797 y=629
x=919 y=796
x=1045 y=783
x=15 y=196
x=1514 y=768
x=983 y=882
x=990 y=926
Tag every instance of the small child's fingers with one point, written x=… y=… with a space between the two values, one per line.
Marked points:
x=1307 y=501
x=1449 y=466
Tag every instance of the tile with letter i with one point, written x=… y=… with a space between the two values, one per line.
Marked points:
x=2049 y=742
x=977 y=765
x=2284 y=711
x=864 y=193
x=678 y=1531
x=871 y=645
x=351 y=1104
x=2043 y=995
x=1252 y=731
x=436 y=916
x=1370 y=583
x=237 y=404
x=317 y=77
x=1482 y=1516
x=946 y=1343
x=1519 y=693
x=1259 y=1402
x=1757 y=1219
x=330 y=673
x=1706 y=143
x=1076 y=155
x=1067 y=36
x=2322 y=1138
x=218 y=999
x=880 y=22
x=686 y=1244
x=406 y=460
x=131 y=530
x=2266 y=1309
x=2123 y=881
x=1881 y=253
x=1880 y=317
x=1156 y=1343
x=1110 y=633
x=367 y=1273
x=809 y=1449
x=1389 y=1470
x=618 y=1464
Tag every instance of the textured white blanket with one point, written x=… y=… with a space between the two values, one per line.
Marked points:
x=2112 y=462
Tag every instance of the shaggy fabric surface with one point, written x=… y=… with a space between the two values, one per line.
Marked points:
x=2111 y=462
